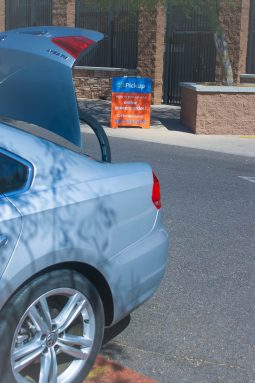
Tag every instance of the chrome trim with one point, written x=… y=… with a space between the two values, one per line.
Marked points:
x=104 y=69
x=30 y=174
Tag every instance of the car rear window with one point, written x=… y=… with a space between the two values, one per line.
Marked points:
x=13 y=174
x=43 y=133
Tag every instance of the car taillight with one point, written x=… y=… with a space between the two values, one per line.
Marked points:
x=156 y=192
x=74 y=45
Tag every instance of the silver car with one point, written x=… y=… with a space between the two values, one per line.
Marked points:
x=82 y=242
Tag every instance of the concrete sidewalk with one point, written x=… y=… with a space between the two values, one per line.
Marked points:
x=167 y=129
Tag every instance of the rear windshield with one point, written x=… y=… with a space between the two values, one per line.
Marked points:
x=41 y=133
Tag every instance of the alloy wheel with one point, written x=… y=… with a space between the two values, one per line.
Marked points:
x=54 y=338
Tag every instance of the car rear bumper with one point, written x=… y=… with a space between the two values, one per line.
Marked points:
x=135 y=274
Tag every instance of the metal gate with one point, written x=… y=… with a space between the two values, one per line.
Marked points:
x=119 y=23
x=26 y=13
x=190 y=52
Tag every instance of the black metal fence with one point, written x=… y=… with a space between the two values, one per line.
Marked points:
x=190 y=52
x=25 y=13
x=119 y=23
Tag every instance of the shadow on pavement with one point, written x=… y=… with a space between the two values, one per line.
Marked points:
x=166 y=115
x=112 y=332
x=106 y=370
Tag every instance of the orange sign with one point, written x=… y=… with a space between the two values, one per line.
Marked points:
x=131 y=102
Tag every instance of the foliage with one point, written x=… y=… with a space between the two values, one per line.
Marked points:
x=209 y=8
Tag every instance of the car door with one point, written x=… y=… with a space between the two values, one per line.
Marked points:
x=14 y=178
x=10 y=228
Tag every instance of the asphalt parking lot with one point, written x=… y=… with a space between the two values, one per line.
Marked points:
x=199 y=327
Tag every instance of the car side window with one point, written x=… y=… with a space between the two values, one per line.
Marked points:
x=13 y=174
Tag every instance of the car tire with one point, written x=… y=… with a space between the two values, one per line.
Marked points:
x=59 y=316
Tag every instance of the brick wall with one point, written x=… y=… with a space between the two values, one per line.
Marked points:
x=218 y=113
x=151 y=41
x=189 y=109
x=247 y=79
x=159 y=54
x=63 y=12
x=235 y=23
x=2 y=15
x=244 y=35
x=94 y=84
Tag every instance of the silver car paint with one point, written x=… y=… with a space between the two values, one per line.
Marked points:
x=10 y=228
x=85 y=211
x=36 y=83
x=76 y=209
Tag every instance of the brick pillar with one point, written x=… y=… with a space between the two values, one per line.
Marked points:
x=63 y=12
x=244 y=36
x=235 y=23
x=151 y=45
x=2 y=15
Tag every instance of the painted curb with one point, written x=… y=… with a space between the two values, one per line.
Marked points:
x=107 y=371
